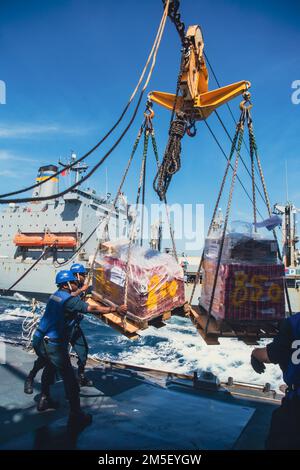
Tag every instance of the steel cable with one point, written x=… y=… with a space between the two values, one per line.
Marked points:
x=152 y=55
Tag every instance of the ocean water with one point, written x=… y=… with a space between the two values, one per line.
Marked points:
x=177 y=347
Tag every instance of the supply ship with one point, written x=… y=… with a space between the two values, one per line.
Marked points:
x=66 y=230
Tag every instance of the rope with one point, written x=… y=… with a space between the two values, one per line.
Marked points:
x=253 y=152
x=241 y=158
x=175 y=18
x=143 y=195
x=30 y=323
x=156 y=42
x=62 y=193
x=233 y=118
x=225 y=156
x=147 y=127
x=153 y=51
x=233 y=148
x=145 y=150
x=253 y=146
x=238 y=150
x=253 y=177
x=108 y=217
x=155 y=151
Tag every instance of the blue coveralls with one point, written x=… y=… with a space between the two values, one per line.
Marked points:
x=291 y=375
x=50 y=343
x=284 y=430
x=78 y=343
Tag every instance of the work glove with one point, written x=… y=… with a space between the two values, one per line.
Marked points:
x=258 y=366
x=122 y=309
x=84 y=288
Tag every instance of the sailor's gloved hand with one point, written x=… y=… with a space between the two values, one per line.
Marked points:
x=122 y=309
x=258 y=366
x=84 y=288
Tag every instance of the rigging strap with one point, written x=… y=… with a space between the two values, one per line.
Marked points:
x=155 y=151
x=239 y=127
x=132 y=231
x=253 y=149
x=238 y=150
x=237 y=144
x=108 y=216
x=148 y=129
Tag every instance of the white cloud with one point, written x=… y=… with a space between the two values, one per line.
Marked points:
x=31 y=130
x=8 y=155
x=9 y=174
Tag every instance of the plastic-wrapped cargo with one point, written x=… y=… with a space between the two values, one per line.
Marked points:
x=242 y=248
x=250 y=283
x=155 y=280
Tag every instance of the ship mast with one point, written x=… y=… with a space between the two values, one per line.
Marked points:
x=289 y=233
x=77 y=169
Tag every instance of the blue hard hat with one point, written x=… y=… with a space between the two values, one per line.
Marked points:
x=65 y=276
x=78 y=268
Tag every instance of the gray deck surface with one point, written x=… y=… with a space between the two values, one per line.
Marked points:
x=129 y=412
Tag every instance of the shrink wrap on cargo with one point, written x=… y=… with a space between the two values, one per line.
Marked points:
x=250 y=283
x=155 y=280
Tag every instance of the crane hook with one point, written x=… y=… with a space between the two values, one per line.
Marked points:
x=246 y=100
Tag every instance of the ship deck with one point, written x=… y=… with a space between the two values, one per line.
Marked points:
x=133 y=408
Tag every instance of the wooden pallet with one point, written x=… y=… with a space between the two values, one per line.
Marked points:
x=127 y=324
x=116 y=321
x=250 y=332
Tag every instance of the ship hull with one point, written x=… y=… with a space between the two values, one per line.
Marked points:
x=81 y=215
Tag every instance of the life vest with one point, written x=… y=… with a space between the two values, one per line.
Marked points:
x=53 y=323
x=291 y=375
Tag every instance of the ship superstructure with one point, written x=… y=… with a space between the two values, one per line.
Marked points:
x=67 y=229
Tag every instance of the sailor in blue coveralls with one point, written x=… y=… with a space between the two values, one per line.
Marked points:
x=77 y=338
x=51 y=341
x=285 y=351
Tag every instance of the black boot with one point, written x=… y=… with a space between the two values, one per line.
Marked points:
x=46 y=403
x=28 y=385
x=84 y=381
x=78 y=421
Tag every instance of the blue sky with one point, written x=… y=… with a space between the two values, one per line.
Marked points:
x=70 y=66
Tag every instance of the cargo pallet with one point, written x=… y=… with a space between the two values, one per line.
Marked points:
x=129 y=324
x=250 y=332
